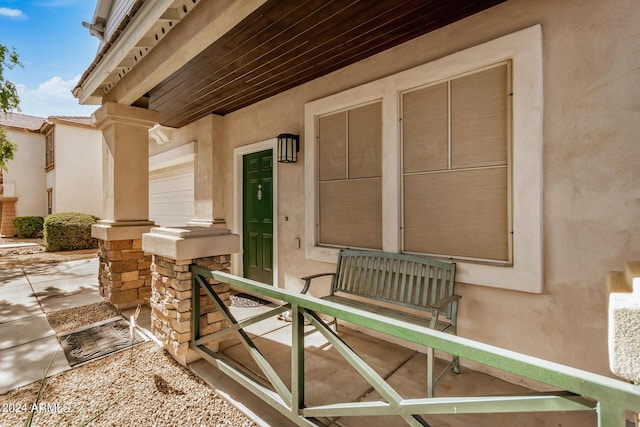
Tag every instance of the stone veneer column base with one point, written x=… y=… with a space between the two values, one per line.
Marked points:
x=124 y=273
x=125 y=270
x=171 y=308
x=174 y=250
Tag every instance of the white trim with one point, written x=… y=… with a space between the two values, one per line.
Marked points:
x=135 y=31
x=238 y=179
x=524 y=49
x=161 y=134
x=176 y=156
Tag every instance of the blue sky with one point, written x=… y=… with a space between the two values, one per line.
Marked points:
x=54 y=48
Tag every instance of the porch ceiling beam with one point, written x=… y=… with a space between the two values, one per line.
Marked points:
x=196 y=32
x=148 y=14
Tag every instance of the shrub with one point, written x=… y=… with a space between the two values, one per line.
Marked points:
x=69 y=231
x=28 y=226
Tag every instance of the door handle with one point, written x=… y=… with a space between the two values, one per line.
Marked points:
x=259 y=192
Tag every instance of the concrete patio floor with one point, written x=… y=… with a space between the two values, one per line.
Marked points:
x=27 y=342
x=330 y=379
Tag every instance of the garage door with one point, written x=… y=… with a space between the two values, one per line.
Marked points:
x=171 y=200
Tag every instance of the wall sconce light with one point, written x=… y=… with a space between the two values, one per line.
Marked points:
x=288 y=147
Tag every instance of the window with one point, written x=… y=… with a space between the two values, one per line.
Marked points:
x=49 y=201
x=49 y=150
x=461 y=163
x=455 y=157
x=350 y=177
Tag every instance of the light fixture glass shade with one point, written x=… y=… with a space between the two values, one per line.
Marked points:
x=288 y=147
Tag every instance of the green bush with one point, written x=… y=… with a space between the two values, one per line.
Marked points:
x=28 y=226
x=69 y=231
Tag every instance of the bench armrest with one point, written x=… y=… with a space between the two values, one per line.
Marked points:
x=308 y=279
x=444 y=301
x=439 y=306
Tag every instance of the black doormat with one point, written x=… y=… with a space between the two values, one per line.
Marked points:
x=246 y=300
x=97 y=341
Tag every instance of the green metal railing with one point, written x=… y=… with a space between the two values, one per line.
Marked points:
x=580 y=390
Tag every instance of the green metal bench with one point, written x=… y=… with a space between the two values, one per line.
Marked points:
x=378 y=282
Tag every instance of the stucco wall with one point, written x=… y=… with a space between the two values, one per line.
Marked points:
x=26 y=171
x=78 y=173
x=591 y=69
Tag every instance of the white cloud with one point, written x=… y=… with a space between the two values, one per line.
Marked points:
x=52 y=98
x=11 y=13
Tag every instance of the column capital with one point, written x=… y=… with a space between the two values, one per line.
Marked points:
x=190 y=242
x=208 y=223
x=110 y=113
x=108 y=230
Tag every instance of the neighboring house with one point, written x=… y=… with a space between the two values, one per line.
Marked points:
x=24 y=182
x=73 y=160
x=500 y=134
x=57 y=167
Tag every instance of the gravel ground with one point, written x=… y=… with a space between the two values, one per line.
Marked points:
x=67 y=320
x=140 y=386
x=27 y=255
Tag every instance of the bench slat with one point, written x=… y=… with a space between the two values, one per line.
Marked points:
x=376 y=276
x=404 y=297
x=408 y=280
x=422 y=297
x=368 y=276
x=388 y=312
x=350 y=273
x=435 y=287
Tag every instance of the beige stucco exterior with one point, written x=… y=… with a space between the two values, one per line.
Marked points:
x=75 y=179
x=25 y=174
x=78 y=156
x=589 y=168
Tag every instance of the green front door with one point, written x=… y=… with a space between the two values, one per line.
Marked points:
x=258 y=216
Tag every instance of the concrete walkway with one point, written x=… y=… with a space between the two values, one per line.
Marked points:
x=27 y=342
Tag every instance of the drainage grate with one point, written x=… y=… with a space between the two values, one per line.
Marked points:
x=97 y=341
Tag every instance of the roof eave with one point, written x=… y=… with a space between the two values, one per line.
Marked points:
x=87 y=90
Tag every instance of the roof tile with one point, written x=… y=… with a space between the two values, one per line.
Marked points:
x=21 y=121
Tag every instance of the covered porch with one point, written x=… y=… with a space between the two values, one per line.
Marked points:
x=224 y=78
x=350 y=378
x=330 y=377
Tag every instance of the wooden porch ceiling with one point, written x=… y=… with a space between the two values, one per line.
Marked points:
x=285 y=43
